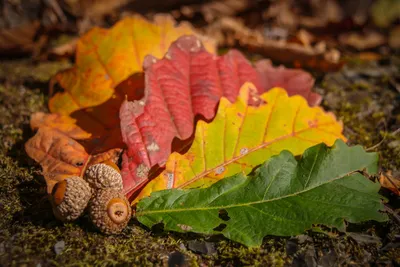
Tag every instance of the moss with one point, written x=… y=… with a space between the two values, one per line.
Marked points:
x=29 y=231
x=26 y=71
x=369 y=110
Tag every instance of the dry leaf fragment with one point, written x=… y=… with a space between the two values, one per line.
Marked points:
x=316 y=57
x=394 y=37
x=362 y=41
x=388 y=181
x=19 y=40
x=217 y=9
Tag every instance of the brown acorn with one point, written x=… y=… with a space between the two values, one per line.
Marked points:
x=104 y=175
x=70 y=197
x=110 y=211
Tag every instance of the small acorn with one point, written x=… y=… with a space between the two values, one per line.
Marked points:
x=102 y=176
x=70 y=197
x=110 y=211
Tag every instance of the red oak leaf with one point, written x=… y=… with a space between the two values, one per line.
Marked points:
x=185 y=85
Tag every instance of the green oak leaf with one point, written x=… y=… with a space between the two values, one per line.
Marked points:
x=282 y=197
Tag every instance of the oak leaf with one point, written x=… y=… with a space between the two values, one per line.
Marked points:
x=185 y=85
x=283 y=197
x=61 y=156
x=86 y=136
x=241 y=137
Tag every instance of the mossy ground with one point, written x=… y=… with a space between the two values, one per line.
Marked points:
x=362 y=98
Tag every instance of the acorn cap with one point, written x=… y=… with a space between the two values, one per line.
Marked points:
x=102 y=176
x=70 y=197
x=110 y=211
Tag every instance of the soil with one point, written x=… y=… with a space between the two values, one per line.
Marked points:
x=363 y=95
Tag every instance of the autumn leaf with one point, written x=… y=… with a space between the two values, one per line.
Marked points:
x=61 y=123
x=283 y=197
x=87 y=136
x=295 y=81
x=241 y=137
x=61 y=156
x=106 y=57
x=388 y=181
x=188 y=84
x=97 y=127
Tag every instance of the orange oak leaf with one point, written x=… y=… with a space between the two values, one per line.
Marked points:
x=66 y=144
x=61 y=156
x=60 y=123
x=106 y=57
x=188 y=84
x=98 y=127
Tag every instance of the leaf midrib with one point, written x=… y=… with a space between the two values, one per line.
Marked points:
x=256 y=148
x=141 y=213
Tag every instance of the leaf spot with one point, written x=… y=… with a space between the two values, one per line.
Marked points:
x=71 y=142
x=185 y=227
x=142 y=171
x=219 y=170
x=313 y=123
x=153 y=147
x=170 y=182
x=244 y=151
x=196 y=47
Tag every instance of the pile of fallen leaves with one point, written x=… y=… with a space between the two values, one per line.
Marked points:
x=203 y=142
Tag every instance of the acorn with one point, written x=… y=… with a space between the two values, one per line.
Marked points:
x=102 y=176
x=110 y=211
x=70 y=197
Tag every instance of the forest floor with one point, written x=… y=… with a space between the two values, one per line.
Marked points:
x=362 y=95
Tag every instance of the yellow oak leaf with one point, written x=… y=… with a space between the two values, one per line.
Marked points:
x=241 y=137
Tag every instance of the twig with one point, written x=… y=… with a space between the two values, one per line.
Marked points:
x=378 y=144
x=393 y=213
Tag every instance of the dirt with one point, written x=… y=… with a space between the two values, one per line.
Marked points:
x=362 y=95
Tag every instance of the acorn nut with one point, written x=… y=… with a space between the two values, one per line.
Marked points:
x=70 y=197
x=102 y=176
x=110 y=211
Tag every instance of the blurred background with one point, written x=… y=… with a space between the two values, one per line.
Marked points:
x=313 y=34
